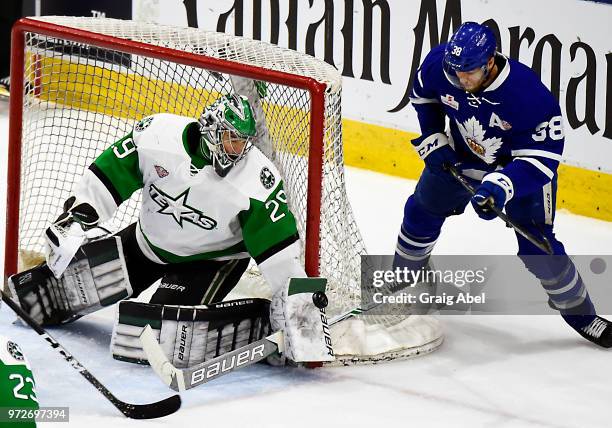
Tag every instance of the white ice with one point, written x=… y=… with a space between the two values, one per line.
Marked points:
x=502 y=371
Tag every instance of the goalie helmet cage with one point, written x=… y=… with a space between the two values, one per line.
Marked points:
x=79 y=84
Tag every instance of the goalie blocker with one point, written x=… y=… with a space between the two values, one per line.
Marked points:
x=95 y=278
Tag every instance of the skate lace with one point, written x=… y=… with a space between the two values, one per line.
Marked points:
x=595 y=328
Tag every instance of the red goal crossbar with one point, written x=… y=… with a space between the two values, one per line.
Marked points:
x=27 y=25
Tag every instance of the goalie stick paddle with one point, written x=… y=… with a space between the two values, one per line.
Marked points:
x=543 y=243
x=134 y=411
x=183 y=379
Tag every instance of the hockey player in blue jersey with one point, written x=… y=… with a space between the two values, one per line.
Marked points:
x=506 y=135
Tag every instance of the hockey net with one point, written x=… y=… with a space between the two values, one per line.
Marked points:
x=79 y=84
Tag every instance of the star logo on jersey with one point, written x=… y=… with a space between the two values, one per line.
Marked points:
x=14 y=350
x=179 y=210
x=474 y=136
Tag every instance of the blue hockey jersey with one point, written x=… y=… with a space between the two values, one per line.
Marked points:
x=513 y=126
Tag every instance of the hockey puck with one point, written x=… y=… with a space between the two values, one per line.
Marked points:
x=319 y=299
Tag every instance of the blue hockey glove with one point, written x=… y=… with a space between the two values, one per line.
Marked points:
x=495 y=187
x=435 y=152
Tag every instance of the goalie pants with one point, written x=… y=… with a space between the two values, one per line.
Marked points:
x=437 y=197
x=190 y=283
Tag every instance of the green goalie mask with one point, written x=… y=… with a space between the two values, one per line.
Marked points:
x=228 y=128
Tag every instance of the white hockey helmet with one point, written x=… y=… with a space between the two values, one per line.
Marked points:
x=228 y=129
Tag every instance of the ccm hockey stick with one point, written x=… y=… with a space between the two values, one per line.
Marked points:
x=134 y=411
x=543 y=243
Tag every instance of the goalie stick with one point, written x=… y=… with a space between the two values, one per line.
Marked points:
x=134 y=411
x=542 y=244
x=190 y=377
x=184 y=379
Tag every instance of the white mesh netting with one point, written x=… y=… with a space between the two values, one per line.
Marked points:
x=80 y=97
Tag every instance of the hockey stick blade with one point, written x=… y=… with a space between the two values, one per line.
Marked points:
x=543 y=243
x=155 y=410
x=183 y=379
x=134 y=411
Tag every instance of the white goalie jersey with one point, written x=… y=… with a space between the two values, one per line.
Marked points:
x=188 y=212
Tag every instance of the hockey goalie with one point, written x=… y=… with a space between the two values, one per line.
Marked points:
x=211 y=201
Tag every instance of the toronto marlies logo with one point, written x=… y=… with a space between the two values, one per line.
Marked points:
x=267 y=178
x=14 y=350
x=474 y=136
x=179 y=210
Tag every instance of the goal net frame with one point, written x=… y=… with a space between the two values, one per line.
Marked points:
x=315 y=88
x=392 y=337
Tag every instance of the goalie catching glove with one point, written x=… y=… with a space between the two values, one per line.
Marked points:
x=66 y=235
x=299 y=311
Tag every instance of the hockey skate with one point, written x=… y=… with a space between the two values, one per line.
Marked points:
x=598 y=331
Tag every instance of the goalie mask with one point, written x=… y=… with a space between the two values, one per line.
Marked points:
x=228 y=128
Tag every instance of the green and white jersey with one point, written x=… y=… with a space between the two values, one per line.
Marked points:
x=188 y=212
x=17 y=389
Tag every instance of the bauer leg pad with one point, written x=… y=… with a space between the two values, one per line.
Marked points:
x=189 y=335
x=95 y=278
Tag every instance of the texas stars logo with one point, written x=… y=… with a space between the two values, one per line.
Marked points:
x=179 y=210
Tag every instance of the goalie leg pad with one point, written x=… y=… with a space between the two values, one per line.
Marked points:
x=96 y=277
x=189 y=335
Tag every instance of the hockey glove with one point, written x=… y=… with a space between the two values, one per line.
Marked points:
x=81 y=213
x=298 y=310
x=65 y=236
x=96 y=278
x=496 y=189
x=435 y=151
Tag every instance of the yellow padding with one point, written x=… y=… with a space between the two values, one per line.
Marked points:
x=372 y=147
x=380 y=149
x=125 y=95
x=389 y=151
x=132 y=96
x=585 y=192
